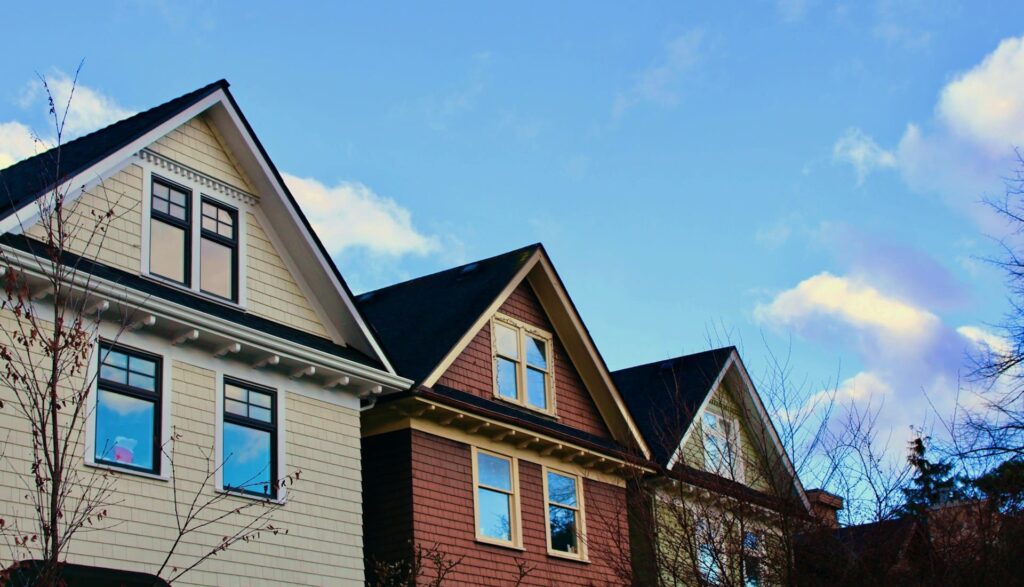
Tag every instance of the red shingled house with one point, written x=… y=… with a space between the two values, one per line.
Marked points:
x=509 y=452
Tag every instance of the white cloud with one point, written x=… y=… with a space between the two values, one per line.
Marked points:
x=89 y=110
x=659 y=84
x=964 y=152
x=850 y=302
x=986 y=104
x=16 y=143
x=863 y=386
x=862 y=152
x=985 y=340
x=350 y=215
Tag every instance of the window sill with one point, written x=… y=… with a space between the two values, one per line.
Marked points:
x=275 y=500
x=527 y=407
x=198 y=293
x=568 y=556
x=127 y=471
x=499 y=544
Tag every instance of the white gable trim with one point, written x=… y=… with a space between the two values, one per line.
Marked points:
x=23 y=218
x=538 y=258
x=753 y=398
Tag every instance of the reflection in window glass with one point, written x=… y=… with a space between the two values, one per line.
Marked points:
x=218 y=249
x=536 y=352
x=247 y=459
x=250 y=430
x=167 y=251
x=127 y=410
x=217 y=275
x=494 y=494
x=536 y=388
x=563 y=513
x=507 y=378
x=508 y=342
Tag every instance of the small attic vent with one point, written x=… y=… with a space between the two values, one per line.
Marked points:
x=469 y=268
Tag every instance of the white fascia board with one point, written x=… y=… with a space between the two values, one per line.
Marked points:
x=315 y=251
x=215 y=324
x=27 y=215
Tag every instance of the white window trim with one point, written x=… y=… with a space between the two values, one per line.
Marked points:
x=166 y=427
x=514 y=508
x=195 y=210
x=581 y=537
x=218 y=441
x=523 y=330
x=732 y=441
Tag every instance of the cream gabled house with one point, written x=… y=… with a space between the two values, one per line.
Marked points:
x=241 y=337
x=725 y=504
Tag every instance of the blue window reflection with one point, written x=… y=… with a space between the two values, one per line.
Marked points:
x=127 y=409
x=248 y=449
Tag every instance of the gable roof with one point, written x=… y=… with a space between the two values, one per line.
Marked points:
x=30 y=178
x=687 y=384
x=443 y=306
x=84 y=161
x=426 y=322
x=682 y=382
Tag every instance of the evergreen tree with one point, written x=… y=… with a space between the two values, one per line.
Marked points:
x=933 y=483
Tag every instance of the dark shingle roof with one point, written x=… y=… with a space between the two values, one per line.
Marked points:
x=664 y=396
x=419 y=321
x=24 y=181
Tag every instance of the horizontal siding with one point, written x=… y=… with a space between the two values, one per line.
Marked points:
x=196 y=144
x=323 y=515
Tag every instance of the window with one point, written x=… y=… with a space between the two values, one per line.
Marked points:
x=195 y=243
x=564 y=513
x=127 y=432
x=721 y=446
x=753 y=553
x=218 y=251
x=170 y=238
x=522 y=364
x=708 y=564
x=496 y=484
x=249 y=446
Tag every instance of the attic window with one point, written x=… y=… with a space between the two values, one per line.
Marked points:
x=194 y=240
x=721 y=446
x=523 y=372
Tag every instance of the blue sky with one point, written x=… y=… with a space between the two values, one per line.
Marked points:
x=806 y=170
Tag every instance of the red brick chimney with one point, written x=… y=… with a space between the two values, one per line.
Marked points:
x=825 y=506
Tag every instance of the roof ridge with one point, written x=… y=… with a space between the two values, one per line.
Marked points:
x=677 y=358
x=449 y=270
x=29 y=160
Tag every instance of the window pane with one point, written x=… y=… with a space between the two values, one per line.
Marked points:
x=210 y=211
x=536 y=388
x=125 y=427
x=714 y=454
x=234 y=392
x=226 y=230
x=177 y=197
x=167 y=251
x=709 y=565
x=711 y=420
x=115 y=359
x=143 y=366
x=508 y=341
x=247 y=459
x=142 y=381
x=261 y=414
x=160 y=205
x=494 y=471
x=114 y=367
x=563 y=529
x=561 y=489
x=259 y=399
x=495 y=516
x=507 y=379
x=216 y=268
x=234 y=407
x=536 y=352
x=161 y=191
x=209 y=224
x=177 y=211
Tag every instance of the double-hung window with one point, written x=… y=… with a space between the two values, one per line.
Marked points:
x=522 y=364
x=218 y=250
x=753 y=555
x=564 y=501
x=496 y=501
x=170 y=232
x=127 y=431
x=249 y=445
x=721 y=446
x=210 y=266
